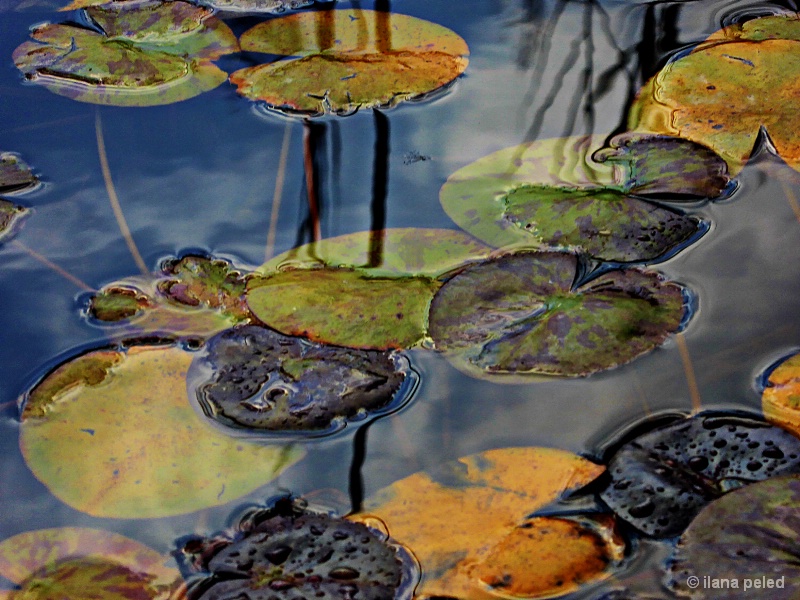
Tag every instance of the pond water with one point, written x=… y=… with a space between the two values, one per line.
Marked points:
x=200 y=175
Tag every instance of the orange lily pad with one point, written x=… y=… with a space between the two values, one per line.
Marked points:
x=780 y=400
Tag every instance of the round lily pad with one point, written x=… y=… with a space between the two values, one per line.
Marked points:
x=287 y=553
x=112 y=433
x=576 y=193
x=662 y=479
x=143 y=53
x=738 y=81
x=780 y=399
x=10 y=216
x=743 y=545
x=257 y=380
x=365 y=59
x=15 y=175
x=528 y=312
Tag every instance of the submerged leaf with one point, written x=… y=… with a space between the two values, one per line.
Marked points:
x=344 y=307
x=112 y=433
x=750 y=535
x=553 y=194
x=148 y=52
x=15 y=175
x=72 y=562
x=466 y=522
x=256 y=379
x=741 y=79
x=524 y=313
x=662 y=479
x=781 y=396
x=349 y=59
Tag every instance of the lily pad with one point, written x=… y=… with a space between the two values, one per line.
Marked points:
x=10 y=216
x=529 y=312
x=662 y=479
x=258 y=380
x=554 y=194
x=348 y=59
x=781 y=396
x=464 y=521
x=73 y=562
x=344 y=307
x=112 y=433
x=738 y=81
x=743 y=545
x=15 y=175
x=287 y=552
x=143 y=53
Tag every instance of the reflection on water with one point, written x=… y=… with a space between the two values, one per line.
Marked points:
x=213 y=174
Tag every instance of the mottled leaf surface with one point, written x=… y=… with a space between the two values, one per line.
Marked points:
x=286 y=554
x=467 y=519
x=112 y=433
x=15 y=175
x=10 y=216
x=344 y=306
x=741 y=79
x=259 y=380
x=348 y=59
x=523 y=313
x=780 y=399
x=73 y=562
x=750 y=534
x=662 y=479
x=147 y=52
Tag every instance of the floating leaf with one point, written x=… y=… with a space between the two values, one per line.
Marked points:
x=72 y=562
x=741 y=79
x=401 y=251
x=528 y=312
x=349 y=59
x=344 y=307
x=15 y=175
x=551 y=194
x=472 y=512
x=743 y=545
x=781 y=396
x=10 y=215
x=287 y=553
x=146 y=52
x=661 y=480
x=112 y=433
x=256 y=379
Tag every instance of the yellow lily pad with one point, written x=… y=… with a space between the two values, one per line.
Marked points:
x=781 y=397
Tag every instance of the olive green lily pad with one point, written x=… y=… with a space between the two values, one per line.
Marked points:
x=146 y=52
x=112 y=433
x=528 y=312
x=10 y=216
x=76 y=562
x=741 y=79
x=344 y=60
x=15 y=175
x=574 y=193
x=750 y=535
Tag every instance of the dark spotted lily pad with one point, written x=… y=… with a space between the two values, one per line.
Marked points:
x=286 y=552
x=143 y=53
x=743 y=545
x=258 y=380
x=348 y=59
x=528 y=312
x=662 y=479
x=553 y=194
x=741 y=79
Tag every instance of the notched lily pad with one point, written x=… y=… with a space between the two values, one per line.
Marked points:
x=143 y=53
x=348 y=59
x=750 y=535
x=258 y=380
x=662 y=479
x=286 y=552
x=528 y=312
x=780 y=399
x=15 y=175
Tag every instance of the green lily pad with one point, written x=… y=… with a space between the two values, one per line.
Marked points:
x=741 y=79
x=660 y=480
x=344 y=307
x=348 y=59
x=146 y=52
x=10 y=216
x=553 y=194
x=256 y=380
x=743 y=545
x=528 y=312
x=112 y=433
x=15 y=175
